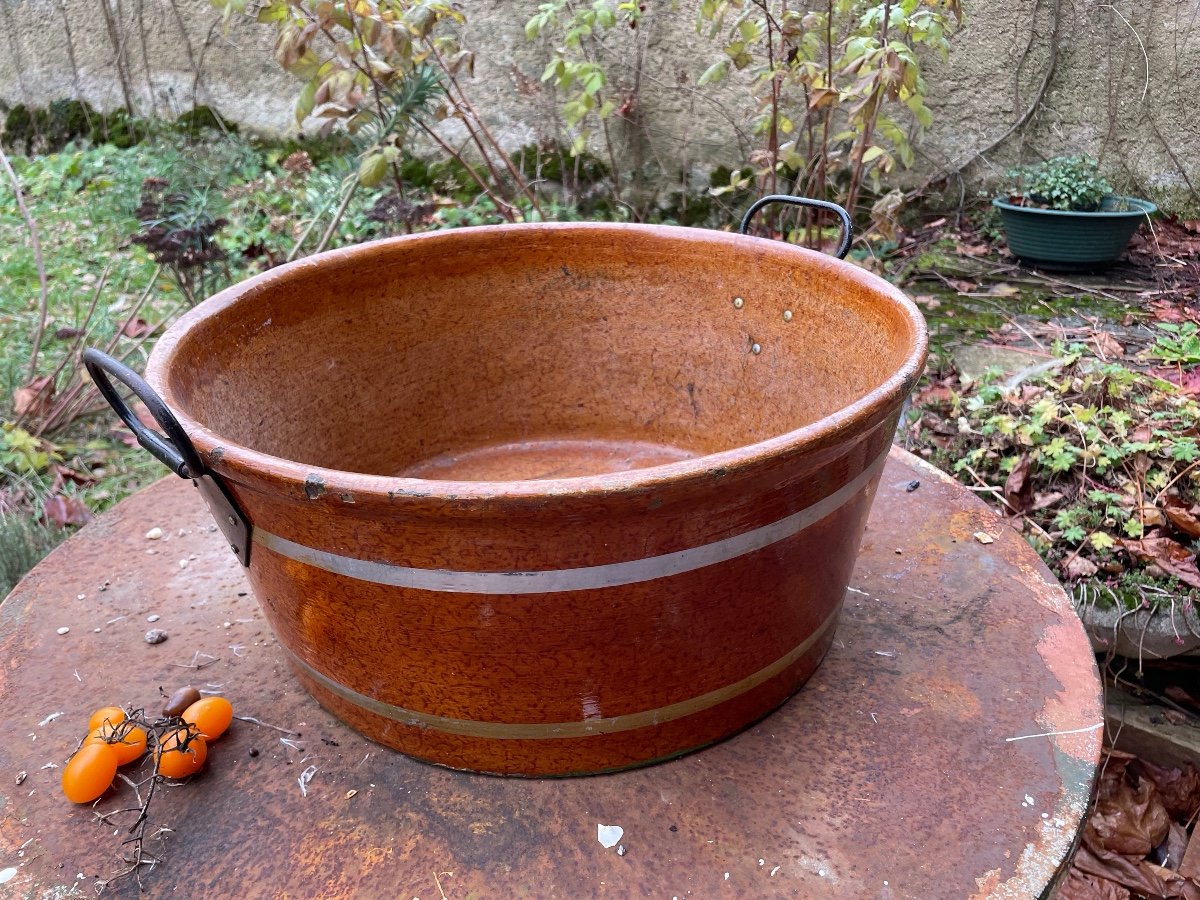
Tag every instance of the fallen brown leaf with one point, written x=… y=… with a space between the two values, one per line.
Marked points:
x=1018 y=489
x=1179 y=789
x=67 y=333
x=1141 y=878
x=64 y=511
x=1079 y=567
x=932 y=395
x=1042 y=501
x=125 y=436
x=1150 y=516
x=1188 y=381
x=1173 y=558
x=1176 y=846
x=971 y=249
x=63 y=474
x=1079 y=886
x=962 y=286
x=1107 y=346
x=1180 y=694
x=1190 y=867
x=1185 y=518
x=35 y=397
x=1126 y=819
x=135 y=328
x=1172 y=311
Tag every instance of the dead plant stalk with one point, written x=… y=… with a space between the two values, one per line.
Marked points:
x=43 y=292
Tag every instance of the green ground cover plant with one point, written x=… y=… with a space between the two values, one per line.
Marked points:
x=1096 y=461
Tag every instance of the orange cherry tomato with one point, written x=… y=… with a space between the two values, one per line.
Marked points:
x=128 y=743
x=113 y=714
x=211 y=716
x=89 y=773
x=182 y=753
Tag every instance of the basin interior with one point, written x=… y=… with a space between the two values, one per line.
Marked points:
x=517 y=353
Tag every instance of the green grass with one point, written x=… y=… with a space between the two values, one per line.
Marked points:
x=23 y=543
x=85 y=201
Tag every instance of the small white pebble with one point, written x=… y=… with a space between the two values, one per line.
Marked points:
x=821 y=872
x=726 y=876
x=227 y=624
x=154 y=534
x=152 y=618
x=756 y=349
x=63 y=630
x=738 y=302
x=95 y=631
x=777 y=868
x=7 y=875
x=787 y=315
x=762 y=862
x=81 y=596
x=183 y=563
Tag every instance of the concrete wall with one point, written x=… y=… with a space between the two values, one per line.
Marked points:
x=1123 y=86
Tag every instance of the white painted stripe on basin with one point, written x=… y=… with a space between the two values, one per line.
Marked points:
x=583 y=578
x=531 y=731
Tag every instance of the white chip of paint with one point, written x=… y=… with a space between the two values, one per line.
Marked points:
x=7 y=875
x=983 y=537
x=1029 y=800
x=609 y=835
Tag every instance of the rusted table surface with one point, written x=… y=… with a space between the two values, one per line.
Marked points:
x=915 y=763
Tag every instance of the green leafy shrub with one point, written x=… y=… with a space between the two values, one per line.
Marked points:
x=1071 y=183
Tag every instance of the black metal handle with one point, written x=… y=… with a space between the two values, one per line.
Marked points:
x=847 y=225
x=174 y=448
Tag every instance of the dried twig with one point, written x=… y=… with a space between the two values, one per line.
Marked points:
x=255 y=721
x=44 y=300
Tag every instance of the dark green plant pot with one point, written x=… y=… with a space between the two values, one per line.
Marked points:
x=1055 y=238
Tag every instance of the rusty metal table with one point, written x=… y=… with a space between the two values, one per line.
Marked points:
x=945 y=748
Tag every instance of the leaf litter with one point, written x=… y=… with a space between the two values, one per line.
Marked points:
x=1135 y=843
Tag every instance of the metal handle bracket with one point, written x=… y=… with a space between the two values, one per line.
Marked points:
x=172 y=447
x=847 y=225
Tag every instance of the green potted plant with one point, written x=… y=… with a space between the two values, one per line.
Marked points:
x=1064 y=214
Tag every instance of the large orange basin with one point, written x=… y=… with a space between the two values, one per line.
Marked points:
x=549 y=499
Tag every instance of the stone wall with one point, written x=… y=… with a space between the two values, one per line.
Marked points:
x=1122 y=82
